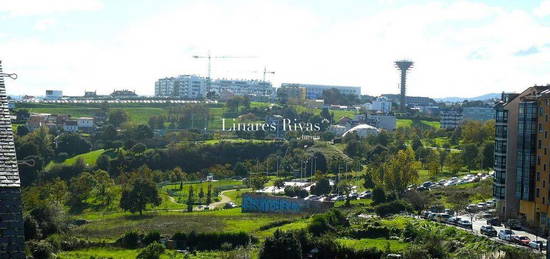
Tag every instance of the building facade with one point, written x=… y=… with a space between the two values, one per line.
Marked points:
x=53 y=94
x=316 y=91
x=478 y=113
x=12 y=238
x=381 y=104
x=522 y=157
x=451 y=119
x=256 y=202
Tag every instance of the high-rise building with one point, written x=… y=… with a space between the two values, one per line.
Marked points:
x=12 y=238
x=316 y=91
x=521 y=156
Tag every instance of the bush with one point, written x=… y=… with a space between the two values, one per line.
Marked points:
x=40 y=249
x=393 y=207
x=293 y=191
x=281 y=245
x=212 y=241
x=275 y=224
x=378 y=195
x=151 y=237
x=130 y=240
x=322 y=223
x=152 y=251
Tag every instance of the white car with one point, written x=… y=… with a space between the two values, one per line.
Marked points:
x=506 y=234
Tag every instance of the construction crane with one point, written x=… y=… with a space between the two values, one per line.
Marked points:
x=268 y=72
x=210 y=57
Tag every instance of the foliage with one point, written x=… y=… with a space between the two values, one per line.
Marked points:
x=322 y=186
x=400 y=171
x=296 y=191
x=256 y=182
x=140 y=191
x=392 y=207
x=117 y=117
x=130 y=239
x=378 y=195
x=72 y=144
x=212 y=240
x=151 y=251
x=326 y=222
x=281 y=245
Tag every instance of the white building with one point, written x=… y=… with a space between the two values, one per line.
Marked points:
x=53 y=94
x=381 y=104
x=451 y=119
x=387 y=122
x=70 y=126
x=193 y=87
x=85 y=122
x=316 y=91
x=363 y=130
x=479 y=113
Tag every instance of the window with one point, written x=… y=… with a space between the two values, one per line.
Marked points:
x=538 y=176
x=538 y=191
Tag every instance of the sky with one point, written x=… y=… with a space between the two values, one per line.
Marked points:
x=460 y=48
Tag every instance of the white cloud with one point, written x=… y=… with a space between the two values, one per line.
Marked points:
x=460 y=49
x=40 y=7
x=44 y=24
x=543 y=9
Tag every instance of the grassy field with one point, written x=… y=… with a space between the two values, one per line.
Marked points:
x=89 y=158
x=409 y=123
x=236 y=195
x=182 y=195
x=381 y=244
x=110 y=227
x=115 y=253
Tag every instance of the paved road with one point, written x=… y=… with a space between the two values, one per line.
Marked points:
x=478 y=222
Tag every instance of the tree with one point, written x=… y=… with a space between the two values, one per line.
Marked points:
x=368 y=181
x=443 y=156
x=72 y=144
x=378 y=195
x=455 y=162
x=152 y=251
x=209 y=194
x=201 y=194
x=22 y=130
x=281 y=245
x=240 y=169
x=487 y=155
x=190 y=199
x=419 y=200
x=138 y=193
x=433 y=165
x=117 y=117
x=470 y=156
x=400 y=171
x=279 y=183
x=103 y=162
x=256 y=182
x=322 y=186
x=139 y=148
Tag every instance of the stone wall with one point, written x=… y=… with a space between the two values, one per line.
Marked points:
x=257 y=202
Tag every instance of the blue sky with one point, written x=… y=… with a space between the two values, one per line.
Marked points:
x=460 y=48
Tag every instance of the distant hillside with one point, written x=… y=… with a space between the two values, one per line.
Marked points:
x=477 y=98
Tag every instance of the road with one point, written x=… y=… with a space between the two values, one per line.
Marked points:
x=478 y=222
x=222 y=202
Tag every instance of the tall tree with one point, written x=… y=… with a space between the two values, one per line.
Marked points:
x=117 y=117
x=400 y=171
x=209 y=194
x=138 y=193
x=190 y=199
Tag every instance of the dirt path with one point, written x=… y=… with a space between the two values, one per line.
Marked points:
x=222 y=202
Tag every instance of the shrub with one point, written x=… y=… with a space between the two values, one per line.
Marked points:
x=378 y=195
x=275 y=224
x=293 y=191
x=212 y=241
x=392 y=207
x=281 y=245
x=151 y=237
x=129 y=240
x=40 y=249
x=152 y=251
x=329 y=221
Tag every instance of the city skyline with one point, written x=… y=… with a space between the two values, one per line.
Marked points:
x=460 y=48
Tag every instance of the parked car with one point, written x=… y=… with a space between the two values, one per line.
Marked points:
x=488 y=231
x=443 y=217
x=472 y=208
x=537 y=244
x=454 y=220
x=505 y=234
x=521 y=240
x=513 y=224
x=465 y=223
x=494 y=222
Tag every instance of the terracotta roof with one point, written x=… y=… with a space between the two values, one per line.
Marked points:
x=9 y=173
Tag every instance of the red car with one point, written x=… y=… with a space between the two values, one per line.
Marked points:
x=522 y=240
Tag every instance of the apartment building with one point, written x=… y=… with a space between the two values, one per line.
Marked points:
x=194 y=87
x=521 y=156
x=451 y=119
x=316 y=91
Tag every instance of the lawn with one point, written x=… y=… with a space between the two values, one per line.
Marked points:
x=409 y=123
x=111 y=227
x=89 y=158
x=116 y=253
x=182 y=195
x=381 y=244
x=236 y=196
